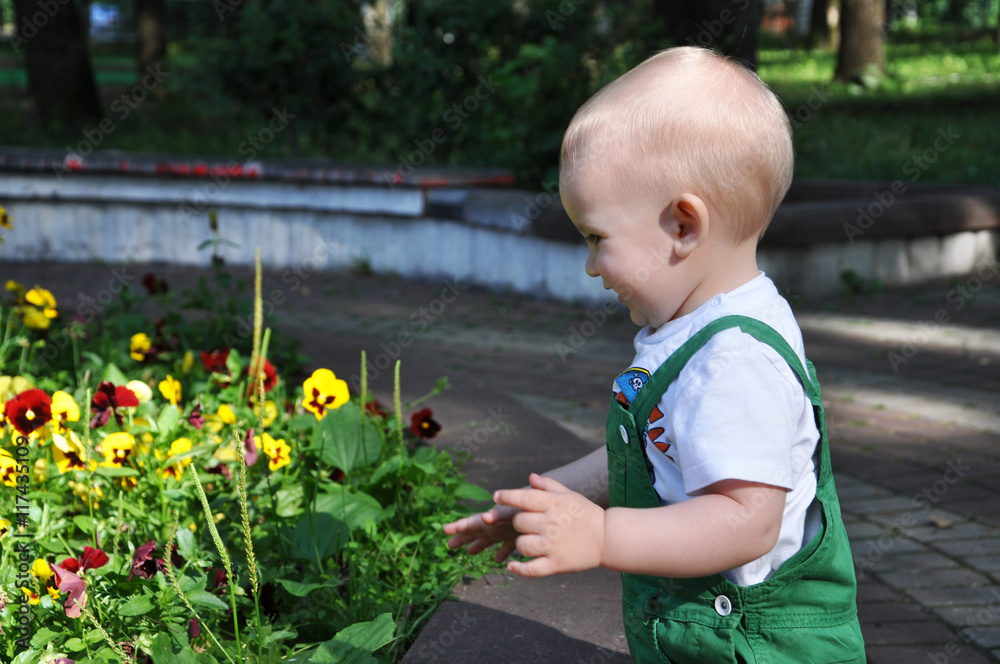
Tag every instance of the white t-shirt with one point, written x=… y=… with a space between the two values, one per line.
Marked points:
x=736 y=411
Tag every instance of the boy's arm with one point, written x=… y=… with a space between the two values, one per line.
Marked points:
x=733 y=523
x=587 y=476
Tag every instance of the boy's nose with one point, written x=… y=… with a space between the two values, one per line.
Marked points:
x=591 y=267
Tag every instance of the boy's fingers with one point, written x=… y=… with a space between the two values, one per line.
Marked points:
x=525 y=499
x=463 y=525
x=543 y=483
x=533 y=568
x=529 y=522
x=532 y=545
x=506 y=549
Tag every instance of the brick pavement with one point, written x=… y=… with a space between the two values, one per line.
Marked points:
x=916 y=447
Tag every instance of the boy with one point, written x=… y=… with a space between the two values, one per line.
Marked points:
x=714 y=497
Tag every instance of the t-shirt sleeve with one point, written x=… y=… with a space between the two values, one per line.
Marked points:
x=734 y=411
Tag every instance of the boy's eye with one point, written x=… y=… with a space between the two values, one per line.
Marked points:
x=592 y=239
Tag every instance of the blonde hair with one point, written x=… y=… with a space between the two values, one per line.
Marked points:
x=687 y=117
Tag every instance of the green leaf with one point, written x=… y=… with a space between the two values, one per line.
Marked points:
x=302 y=422
x=191 y=584
x=390 y=466
x=42 y=636
x=234 y=363
x=322 y=536
x=74 y=645
x=114 y=471
x=473 y=492
x=207 y=599
x=84 y=523
x=425 y=459
x=299 y=589
x=342 y=440
x=136 y=606
x=185 y=544
x=277 y=636
x=45 y=496
x=169 y=416
x=289 y=501
x=114 y=374
x=162 y=650
x=355 y=644
x=353 y=508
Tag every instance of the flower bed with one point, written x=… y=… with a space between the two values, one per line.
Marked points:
x=163 y=503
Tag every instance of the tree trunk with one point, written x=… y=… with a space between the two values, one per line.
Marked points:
x=862 y=42
x=150 y=34
x=60 y=76
x=820 y=34
x=996 y=33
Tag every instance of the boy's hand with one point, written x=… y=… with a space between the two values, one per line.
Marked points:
x=481 y=531
x=560 y=529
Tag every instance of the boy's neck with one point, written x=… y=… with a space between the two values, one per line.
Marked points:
x=729 y=268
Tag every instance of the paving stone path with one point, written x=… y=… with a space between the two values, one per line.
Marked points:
x=914 y=415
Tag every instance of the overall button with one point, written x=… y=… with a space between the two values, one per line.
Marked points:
x=623 y=432
x=723 y=606
x=716 y=301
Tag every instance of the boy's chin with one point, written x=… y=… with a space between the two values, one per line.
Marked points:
x=638 y=317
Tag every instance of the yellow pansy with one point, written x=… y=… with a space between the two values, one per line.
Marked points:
x=32 y=597
x=34 y=319
x=89 y=493
x=8 y=469
x=170 y=388
x=53 y=592
x=4 y=528
x=39 y=470
x=179 y=446
x=69 y=453
x=187 y=362
x=64 y=409
x=139 y=346
x=277 y=451
x=323 y=391
x=215 y=421
x=5 y=220
x=140 y=389
x=42 y=308
x=13 y=385
x=270 y=413
x=40 y=568
x=116 y=448
x=226 y=414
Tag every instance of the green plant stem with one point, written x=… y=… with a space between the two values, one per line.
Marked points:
x=76 y=359
x=97 y=622
x=364 y=403
x=118 y=523
x=222 y=554
x=398 y=407
x=248 y=540
x=172 y=578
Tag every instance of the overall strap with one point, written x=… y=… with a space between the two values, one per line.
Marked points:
x=661 y=379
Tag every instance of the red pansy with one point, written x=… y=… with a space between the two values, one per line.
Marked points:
x=423 y=425
x=107 y=400
x=28 y=411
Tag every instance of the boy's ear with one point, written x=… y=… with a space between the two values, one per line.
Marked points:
x=686 y=221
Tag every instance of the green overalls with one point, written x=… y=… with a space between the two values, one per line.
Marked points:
x=805 y=613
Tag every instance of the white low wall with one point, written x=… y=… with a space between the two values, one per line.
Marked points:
x=322 y=227
x=305 y=227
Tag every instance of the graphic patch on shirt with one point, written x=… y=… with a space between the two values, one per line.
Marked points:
x=656 y=435
x=629 y=383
